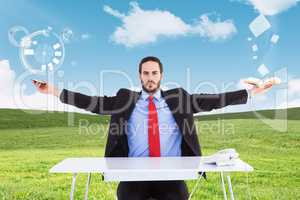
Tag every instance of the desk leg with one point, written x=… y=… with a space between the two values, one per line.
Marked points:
x=73 y=186
x=87 y=187
x=195 y=187
x=230 y=187
x=223 y=186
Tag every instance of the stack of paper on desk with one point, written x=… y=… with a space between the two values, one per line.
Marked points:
x=222 y=158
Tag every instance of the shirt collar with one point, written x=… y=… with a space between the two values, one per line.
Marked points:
x=156 y=95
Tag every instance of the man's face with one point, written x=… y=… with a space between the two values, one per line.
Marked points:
x=150 y=76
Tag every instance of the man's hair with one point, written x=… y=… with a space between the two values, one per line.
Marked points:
x=150 y=58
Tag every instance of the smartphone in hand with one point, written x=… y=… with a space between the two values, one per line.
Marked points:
x=38 y=82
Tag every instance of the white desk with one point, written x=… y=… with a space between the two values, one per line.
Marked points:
x=146 y=169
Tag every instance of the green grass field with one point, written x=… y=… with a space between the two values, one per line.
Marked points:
x=31 y=143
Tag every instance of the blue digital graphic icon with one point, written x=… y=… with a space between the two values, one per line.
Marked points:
x=41 y=51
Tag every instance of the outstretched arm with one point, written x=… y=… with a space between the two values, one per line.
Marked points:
x=208 y=102
x=95 y=104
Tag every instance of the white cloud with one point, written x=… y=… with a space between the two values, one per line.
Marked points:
x=214 y=30
x=293 y=97
x=270 y=7
x=146 y=26
x=13 y=95
x=7 y=77
x=294 y=88
x=294 y=103
x=113 y=12
x=294 y=93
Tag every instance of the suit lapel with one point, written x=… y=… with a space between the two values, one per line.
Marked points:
x=135 y=96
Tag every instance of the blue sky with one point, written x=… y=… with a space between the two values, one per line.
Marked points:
x=219 y=61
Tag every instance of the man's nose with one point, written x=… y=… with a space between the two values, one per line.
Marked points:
x=151 y=77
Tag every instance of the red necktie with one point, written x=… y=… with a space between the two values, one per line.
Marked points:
x=153 y=131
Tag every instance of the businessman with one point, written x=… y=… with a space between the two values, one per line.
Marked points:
x=152 y=122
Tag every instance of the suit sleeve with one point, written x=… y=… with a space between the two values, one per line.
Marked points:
x=208 y=102
x=95 y=104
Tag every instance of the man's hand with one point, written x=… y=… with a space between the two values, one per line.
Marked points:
x=259 y=87
x=45 y=88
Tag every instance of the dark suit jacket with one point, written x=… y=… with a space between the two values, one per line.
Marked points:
x=182 y=105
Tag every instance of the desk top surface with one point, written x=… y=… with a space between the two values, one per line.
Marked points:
x=144 y=164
